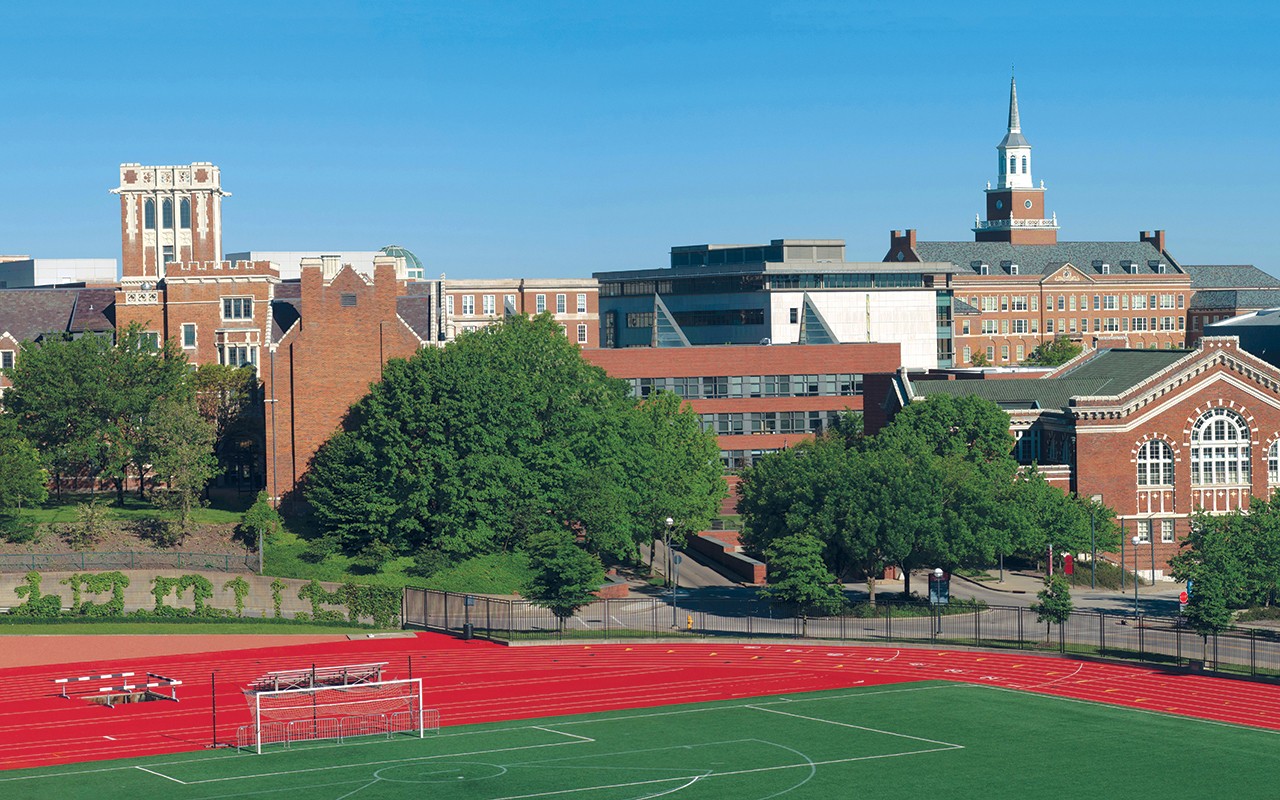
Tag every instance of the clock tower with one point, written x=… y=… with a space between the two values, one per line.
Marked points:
x=1015 y=208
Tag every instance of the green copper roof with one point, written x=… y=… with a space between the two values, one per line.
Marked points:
x=411 y=262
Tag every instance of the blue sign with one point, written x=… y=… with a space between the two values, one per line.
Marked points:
x=1188 y=588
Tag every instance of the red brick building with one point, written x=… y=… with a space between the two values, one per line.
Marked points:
x=1158 y=434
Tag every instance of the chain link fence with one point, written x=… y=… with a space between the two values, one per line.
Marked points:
x=1164 y=641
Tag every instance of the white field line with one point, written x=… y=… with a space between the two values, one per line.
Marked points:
x=161 y=775
x=688 y=781
x=855 y=727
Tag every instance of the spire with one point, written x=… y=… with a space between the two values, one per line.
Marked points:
x=1015 y=125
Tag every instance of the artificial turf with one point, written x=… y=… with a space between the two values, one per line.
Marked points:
x=928 y=739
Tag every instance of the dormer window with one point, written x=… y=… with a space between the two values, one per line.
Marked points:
x=984 y=269
x=1106 y=269
x=1013 y=269
x=1161 y=268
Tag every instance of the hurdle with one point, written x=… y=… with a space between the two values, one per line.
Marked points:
x=67 y=682
x=154 y=681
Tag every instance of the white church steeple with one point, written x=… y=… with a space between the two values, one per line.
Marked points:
x=1014 y=168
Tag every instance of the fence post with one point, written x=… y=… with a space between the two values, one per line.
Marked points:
x=977 y=626
x=888 y=622
x=1020 y=635
x=1177 y=638
x=1253 y=653
x=1102 y=633
x=1062 y=638
x=1142 y=638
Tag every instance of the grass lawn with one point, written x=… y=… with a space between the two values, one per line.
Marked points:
x=74 y=627
x=899 y=742
x=502 y=573
x=132 y=511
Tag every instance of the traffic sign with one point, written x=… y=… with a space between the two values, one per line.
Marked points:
x=1182 y=598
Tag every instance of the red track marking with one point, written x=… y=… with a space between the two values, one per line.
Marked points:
x=475 y=681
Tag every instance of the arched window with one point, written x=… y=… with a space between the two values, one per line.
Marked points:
x=149 y=214
x=166 y=214
x=1155 y=464
x=1024 y=165
x=1220 y=448
x=1013 y=164
x=184 y=214
x=1273 y=464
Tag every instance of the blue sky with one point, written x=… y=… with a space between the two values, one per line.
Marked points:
x=554 y=139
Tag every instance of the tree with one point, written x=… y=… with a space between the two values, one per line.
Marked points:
x=182 y=456
x=225 y=397
x=83 y=402
x=798 y=578
x=22 y=478
x=1053 y=353
x=565 y=577
x=1213 y=559
x=1053 y=602
x=499 y=435
x=261 y=525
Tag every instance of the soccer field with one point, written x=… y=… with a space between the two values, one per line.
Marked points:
x=903 y=741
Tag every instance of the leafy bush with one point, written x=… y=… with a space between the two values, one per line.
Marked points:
x=277 y=589
x=162 y=533
x=428 y=562
x=87 y=530
x=260 y=522
x=16 y=530
x=36 y=604
x=200 y=586
x=240 y=588
x=316 y=595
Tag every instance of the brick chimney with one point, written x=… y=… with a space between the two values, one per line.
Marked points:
x=902 y=246
x=1155 y=238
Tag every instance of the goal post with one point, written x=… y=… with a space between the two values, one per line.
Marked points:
x=372 y=708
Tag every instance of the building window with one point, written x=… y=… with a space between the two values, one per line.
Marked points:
x=1155 y=464
x=984 y=269
x=1004 y=302
x=238 y=355
x=1013 y=164
x=540 y=303
x=1024 y=168
x=968 y=354
x=166 y=214
x=348 y=300
x=964 y=327
x=1021 y=353
x=1273 y=461
x=1018 y=303
x=149 y=214
x=450 y=304
x=1048 y=325
x=6 y=359
x=582 y=334
x=990 y=303
x=188 y=334
x=1166 y=531
x=1020 y=326
x=237 y=308
x=468 y=305
x=1220 y=448
x=582 y=304
x=989 y=327
x=1013 y=269
x=1062 y=302
x=991 y=354
x=1004 y=352
x=184 y=214
x=166 y=254
x=1144 y=531
x=794 y=316
x=508 y=305
x=490 y=304
x=562 y=304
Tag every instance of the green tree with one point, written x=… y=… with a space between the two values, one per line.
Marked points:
x=799 y=579
x=1213 y=557
x=1053 y=602
x=473 y=447
x=141 y=373
x=182 y=456
x=565 y=577
x=22 y=478
x=1054 y=353
x=260 y=526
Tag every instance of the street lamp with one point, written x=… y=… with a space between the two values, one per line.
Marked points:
x=936 y=596
x=1094 y=501
x=1151 y=537
x=1136 y=539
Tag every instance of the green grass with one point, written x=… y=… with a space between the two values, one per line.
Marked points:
x=892 y=743
x=133 y=510
x=502 y=573
x=18 y=626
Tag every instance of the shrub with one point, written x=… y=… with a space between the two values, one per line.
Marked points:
x=87 y=530
x=240 y=588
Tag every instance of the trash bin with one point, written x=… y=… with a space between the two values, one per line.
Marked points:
x=468 y=631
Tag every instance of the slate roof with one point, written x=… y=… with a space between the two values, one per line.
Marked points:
x=95 y=311
x=1109 y=373
x=32 y=313
x=1045 y=258
x=1230 y=276
x=1233 y=299
x=415 y=310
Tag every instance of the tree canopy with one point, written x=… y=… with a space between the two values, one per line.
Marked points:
x=938 y=487
x=22 y=478
x=1053 y=353
x=1233 y=562
x=565 y=577
x=502 y=434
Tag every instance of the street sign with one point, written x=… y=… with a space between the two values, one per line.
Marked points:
x=1188 y=591
x=1182 y=598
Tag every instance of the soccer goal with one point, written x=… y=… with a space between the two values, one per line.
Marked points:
x=341 y=712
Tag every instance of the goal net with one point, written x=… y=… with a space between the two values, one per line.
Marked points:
x=338 y=712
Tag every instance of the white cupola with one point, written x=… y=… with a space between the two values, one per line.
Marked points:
x=1014 y=168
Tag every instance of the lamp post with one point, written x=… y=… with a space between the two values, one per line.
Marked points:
x=1135 y=541
x=1094 y=501
x=936 y=597
x=666 y=547
x=1151 y=537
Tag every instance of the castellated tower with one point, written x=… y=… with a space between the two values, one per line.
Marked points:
x=168 y=214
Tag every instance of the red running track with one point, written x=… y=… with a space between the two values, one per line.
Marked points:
x=471 y=682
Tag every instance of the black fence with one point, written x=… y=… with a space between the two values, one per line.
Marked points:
x=134 y=559
x=1149 y=639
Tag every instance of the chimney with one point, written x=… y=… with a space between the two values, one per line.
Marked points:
x=902 y=245
x=1155 y=238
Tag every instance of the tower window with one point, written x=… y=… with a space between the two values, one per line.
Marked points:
x=166 y=215
x=1013 y=164
x=1024 y=165
x=184 y=214
x=149 y=214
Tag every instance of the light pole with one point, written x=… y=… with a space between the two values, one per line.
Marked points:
x=1135 y=541
x=936 y=596
x=666 y=546
x=1094 y=501
x=1151 y=537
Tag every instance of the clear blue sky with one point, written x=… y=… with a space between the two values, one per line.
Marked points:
x=554 y=139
